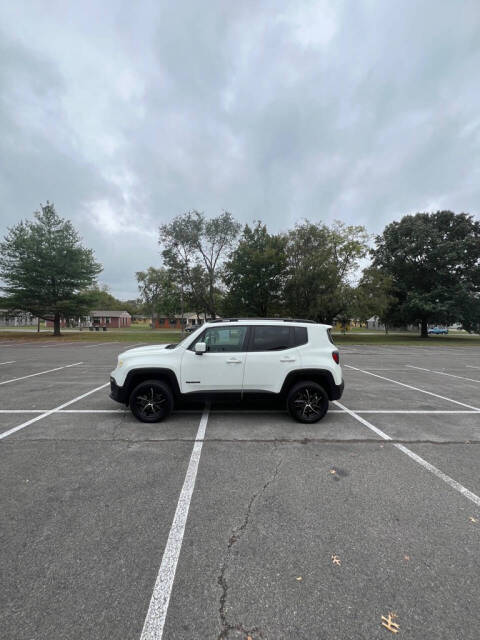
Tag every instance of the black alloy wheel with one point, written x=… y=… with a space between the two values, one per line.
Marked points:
x=151 y=401
x=307 y=402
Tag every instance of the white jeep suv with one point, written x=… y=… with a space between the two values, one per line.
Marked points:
x=295 y=360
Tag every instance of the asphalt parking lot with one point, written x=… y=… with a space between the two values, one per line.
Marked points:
x=236 y=522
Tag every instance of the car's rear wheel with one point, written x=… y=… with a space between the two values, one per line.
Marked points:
x=307 y=402
x=151 y=401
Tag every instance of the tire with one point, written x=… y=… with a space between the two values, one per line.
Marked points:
x=151 y=401
x=307 y=402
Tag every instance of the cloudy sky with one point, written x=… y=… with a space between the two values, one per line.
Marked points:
x=125 y=114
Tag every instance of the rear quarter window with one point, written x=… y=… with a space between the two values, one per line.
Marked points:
x=300 y=336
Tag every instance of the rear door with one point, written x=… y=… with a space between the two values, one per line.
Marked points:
x=221 y=367
x=271 y=356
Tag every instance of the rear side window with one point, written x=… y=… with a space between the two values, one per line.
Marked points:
x=300 y=336
x=270 y=338
x=329 y=333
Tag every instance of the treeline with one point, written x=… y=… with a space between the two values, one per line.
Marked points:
x=423 y=269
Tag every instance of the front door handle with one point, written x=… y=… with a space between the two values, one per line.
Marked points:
x=234 y=361
x=287 y=359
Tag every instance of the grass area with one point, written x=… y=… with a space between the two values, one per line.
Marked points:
x=408 y=339
x=150 y=336
x=162 y=336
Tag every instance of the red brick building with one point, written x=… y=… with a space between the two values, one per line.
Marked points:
x=109 y=318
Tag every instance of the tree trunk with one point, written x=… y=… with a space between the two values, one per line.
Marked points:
x=424 y=333
x=38 y=325
x=56 y=324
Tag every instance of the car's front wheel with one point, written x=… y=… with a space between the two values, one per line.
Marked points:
x=307 y=402
x=151 y=401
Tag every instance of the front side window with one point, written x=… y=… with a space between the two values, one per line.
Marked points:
x=270 y=338
x=223 y=339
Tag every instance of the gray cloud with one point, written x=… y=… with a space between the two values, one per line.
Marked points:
x=125 y=115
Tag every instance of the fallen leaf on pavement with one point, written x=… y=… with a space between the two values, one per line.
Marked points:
x=336 y=559
x=389 y=624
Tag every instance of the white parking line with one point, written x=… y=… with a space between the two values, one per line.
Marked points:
x=57 y=344
x=100 y=344
x=157 y=610
x=471 y=366
x=409 y=386
x=40 y=373
x=436 y=472
x=265 y=411
x=9 y=362
x=442 y=373
x=50 y=411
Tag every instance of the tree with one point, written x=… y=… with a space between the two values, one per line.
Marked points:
x=255 y=273
x=434 y=262
x=101 y=298
x=45 y=268
x=374 y=297
x=320 y=261
x=191 y=241
x=158 y=291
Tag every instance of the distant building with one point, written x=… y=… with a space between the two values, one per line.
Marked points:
x=109 y=318
x=11 y=318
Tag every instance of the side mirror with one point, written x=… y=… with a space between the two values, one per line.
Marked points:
x=200 y=348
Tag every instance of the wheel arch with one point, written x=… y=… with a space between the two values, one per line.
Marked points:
x=136 y=376
x=322 y=377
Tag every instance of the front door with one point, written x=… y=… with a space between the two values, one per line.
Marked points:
x=221 y=367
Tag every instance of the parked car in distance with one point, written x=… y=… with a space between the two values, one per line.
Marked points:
x=437 y=331
x=293 y=360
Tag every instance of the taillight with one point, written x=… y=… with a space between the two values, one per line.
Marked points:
x=336 y=356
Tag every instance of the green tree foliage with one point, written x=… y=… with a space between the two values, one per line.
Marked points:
x=159 y=292
x=101 y=298
x=193 y=250
x=433 y=260
x=255 y=273
x=374 y=297
x=45 y=269
x=321 y=261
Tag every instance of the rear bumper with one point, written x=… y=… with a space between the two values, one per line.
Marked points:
x=337 y=390
x=117 y=393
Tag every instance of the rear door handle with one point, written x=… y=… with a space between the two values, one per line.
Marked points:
x=287 y=359
x=234 y=361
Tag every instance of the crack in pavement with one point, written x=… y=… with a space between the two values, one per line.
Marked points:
x=222 y=581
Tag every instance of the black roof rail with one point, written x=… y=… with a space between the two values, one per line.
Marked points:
x=252 y=318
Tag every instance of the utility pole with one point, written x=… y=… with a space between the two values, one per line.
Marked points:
x=181 y=307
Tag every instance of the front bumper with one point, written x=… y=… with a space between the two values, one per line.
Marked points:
x=117 y=393
x=337 y=390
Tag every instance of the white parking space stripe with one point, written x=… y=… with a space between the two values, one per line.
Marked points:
x=57 y=344
x=471 y=366
x=9 y=362
x=263 y=411
x=157 y=610
x=442 y=373
x=426 y=465
x=50 y=411
x=409 y=386
x=40 y=373
x=100 y=344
